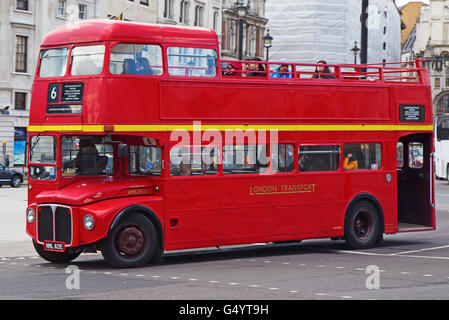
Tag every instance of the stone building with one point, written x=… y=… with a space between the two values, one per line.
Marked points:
x=253 y=29
x=430 y=41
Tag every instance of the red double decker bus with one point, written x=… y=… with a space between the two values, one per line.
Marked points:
x=142 y=141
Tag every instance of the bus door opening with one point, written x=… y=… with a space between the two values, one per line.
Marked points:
x=414 y=170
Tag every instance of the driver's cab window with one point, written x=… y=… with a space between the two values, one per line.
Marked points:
x=86 y=155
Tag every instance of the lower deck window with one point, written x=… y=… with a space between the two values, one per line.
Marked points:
x=362 y=156
x=318 y=158
x=193 y=161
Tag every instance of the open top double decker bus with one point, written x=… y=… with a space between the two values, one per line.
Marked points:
x=142 y=141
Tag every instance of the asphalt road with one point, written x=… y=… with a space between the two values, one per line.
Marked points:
x=406 y=266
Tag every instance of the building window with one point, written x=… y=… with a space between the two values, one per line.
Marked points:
x=61 y=7
x=215 y=22
x=168 y=9
x=385 y=46
x=184 y=12
x=232 y=39
x=252 y=44
x=82 y=11
x=144 y=2
x=20 y=100
x=199 y=13
x=22 y=5
x=21 y=53
x=437 y=82
x=447 y=82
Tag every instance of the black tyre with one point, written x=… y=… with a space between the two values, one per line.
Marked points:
x=362 y=225
x=131 y=243
x=55 y=257
x=16 y=182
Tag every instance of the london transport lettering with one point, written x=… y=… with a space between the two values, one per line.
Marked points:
x=282 y=189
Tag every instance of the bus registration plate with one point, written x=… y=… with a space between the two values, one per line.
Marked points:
x=54 y=246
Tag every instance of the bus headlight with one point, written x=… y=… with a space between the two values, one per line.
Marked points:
x=88 y=221
x=30 y=215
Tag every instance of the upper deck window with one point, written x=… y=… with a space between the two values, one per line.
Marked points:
x=137 y=59
x=192 y=62
x=53 y=62
x=87 y=60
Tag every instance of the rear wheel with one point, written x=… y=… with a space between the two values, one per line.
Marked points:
x=131 y=243
x=362 y=226
x=55 y=257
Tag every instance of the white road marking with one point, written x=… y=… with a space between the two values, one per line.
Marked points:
x=419 y=250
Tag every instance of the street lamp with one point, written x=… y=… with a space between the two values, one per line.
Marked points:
x=268 y=42
x=241 y=14
x=355 y=51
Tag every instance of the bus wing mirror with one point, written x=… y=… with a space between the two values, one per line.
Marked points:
x=122 y=150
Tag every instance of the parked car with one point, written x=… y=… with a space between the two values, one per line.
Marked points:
x=11 y=177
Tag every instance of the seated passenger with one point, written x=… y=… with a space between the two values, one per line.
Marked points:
x=184 y=169
x=129 y=67
x=233 y=70
x=322 y=71
x=282 y=71
x=350 y=162
x=256 y=69
x=143 y=67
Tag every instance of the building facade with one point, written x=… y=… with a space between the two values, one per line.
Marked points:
x=254 y=27
x=23 y=25
x=309 y=31
x=430 y=41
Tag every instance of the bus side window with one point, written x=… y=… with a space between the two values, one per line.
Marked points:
x=318 y=158
x=400 y=155
x=362 y=156
x=192 y=62
x=415 y=155
x=194 y=161
x=136 y=59
x=282 y=157
x=244 y=159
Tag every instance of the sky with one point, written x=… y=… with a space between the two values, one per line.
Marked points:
x=400 y=3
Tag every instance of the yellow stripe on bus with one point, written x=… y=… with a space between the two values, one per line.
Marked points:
x=221 y=127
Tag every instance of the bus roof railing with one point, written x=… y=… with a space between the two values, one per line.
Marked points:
x=388 y=72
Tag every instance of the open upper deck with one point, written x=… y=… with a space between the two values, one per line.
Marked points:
x=86 y=83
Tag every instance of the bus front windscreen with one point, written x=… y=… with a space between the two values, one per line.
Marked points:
x=85 y=156
x=42 y=158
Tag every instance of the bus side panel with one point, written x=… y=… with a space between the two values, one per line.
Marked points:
x=192 y=212
x=375 y=184
x=246 y=217
x=321 y=211
x=271 y=102
x=134 y=106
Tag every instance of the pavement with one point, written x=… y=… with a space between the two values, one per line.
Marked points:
x=14 y=241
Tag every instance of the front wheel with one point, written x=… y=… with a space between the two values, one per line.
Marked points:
x=131 y=243
x=362 y=227
x=55 y=257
